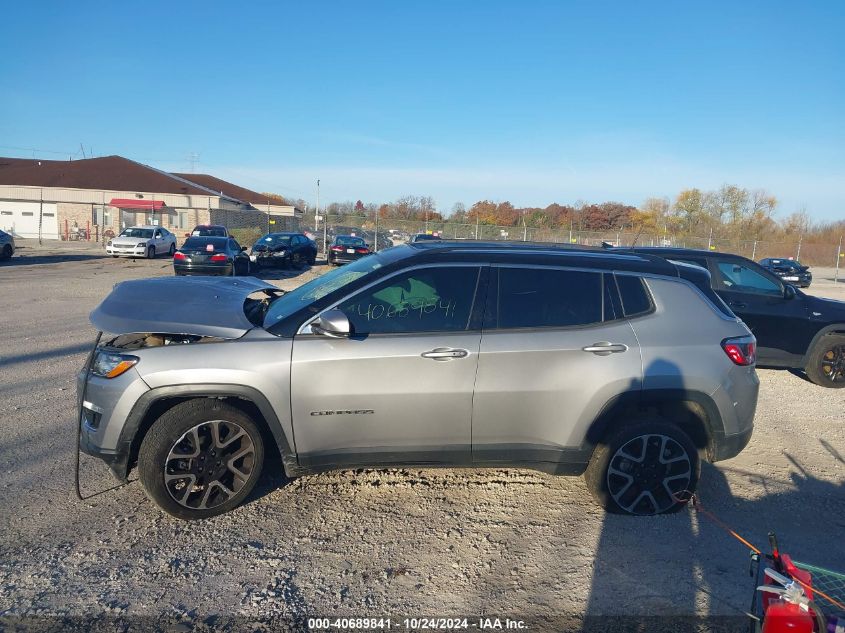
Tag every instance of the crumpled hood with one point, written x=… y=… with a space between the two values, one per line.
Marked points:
x=204 y=306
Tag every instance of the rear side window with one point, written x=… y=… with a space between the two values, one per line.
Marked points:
x=634 y=295
x=538 y=297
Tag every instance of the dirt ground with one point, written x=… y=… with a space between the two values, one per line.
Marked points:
x=502 y=543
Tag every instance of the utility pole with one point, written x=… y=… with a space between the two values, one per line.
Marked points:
x=838 y=258
x=710 y=239
x=754 y=250
x=376 y=237
x=40 y=215
x=325 y=222
x=476 y=226
x=798 y=254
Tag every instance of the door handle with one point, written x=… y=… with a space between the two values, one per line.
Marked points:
x=738 y=304
x=603 y=348
x=445 y=353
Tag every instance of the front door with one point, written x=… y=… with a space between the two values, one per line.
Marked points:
x=400 y=388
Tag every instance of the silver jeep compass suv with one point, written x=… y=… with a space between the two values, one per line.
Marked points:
x=626 y=368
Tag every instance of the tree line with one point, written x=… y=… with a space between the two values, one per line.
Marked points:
x=730 y=211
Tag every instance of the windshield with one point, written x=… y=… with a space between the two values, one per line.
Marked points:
x=786 y=263
x=346 y=240
x=136 y=232
x=200 y=243
x=209 y=230
x=316 y=289
x=274 y=240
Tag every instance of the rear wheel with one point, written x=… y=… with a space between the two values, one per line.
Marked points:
x=648 y=468
x=826 y=366
x=200 y=459
x=172 y=250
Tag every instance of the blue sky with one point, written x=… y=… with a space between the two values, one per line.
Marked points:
x=531 y=102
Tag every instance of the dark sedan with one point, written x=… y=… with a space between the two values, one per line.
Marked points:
x=347 y=248
x=287 y=250
x=211 y=256
x=790 y=270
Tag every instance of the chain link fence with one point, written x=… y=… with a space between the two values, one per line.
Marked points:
x=391 y=232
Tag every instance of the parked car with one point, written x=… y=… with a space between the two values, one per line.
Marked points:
x=7 y=245
x=461 y=354
x=208 y=230
x=345 y=249
x=287 y=250
x=790 y=270
x=424 y=237
x=211 y=256
x=793 y=329
x=142 y=241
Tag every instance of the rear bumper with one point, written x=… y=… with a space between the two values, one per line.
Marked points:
x=207 y=269
x=727 y=446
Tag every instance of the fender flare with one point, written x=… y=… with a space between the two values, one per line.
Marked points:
x=141 y=408
x=713 y=425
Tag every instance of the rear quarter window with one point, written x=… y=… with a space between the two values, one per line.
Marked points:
x=636 y=299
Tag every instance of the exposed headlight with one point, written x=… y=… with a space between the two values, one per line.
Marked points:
x=112 y=365
x=109 y=243
x=141 y=244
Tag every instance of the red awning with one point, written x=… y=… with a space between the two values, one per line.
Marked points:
x=137 y=203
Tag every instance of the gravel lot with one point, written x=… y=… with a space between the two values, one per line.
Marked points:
x=403 y=543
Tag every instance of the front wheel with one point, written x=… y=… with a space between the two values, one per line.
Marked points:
x=648 y=468
x=200 y=459
x=826 y=365
x=7 y=251
x=151 y=252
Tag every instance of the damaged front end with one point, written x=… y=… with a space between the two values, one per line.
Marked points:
x=154 y=313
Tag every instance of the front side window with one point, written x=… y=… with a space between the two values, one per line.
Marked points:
x=737 y=277
x=538 y=297
x=423 y=300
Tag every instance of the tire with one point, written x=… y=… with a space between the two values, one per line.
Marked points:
x=296 y=261
x=151 y=252
x=609 y=477
x=7 y=252
x=313 y=259
x=187 y=431
x=172 y=250
x=115 y=256
x=826 y=365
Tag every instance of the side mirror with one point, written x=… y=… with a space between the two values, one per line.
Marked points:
x=789 y=291
x=332 y=323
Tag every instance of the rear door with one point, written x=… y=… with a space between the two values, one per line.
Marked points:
x=552 y=355
x=400 y=388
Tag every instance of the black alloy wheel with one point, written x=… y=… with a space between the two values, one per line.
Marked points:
x=826 y=366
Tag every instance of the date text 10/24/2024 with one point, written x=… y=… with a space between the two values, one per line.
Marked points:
x=416 y=624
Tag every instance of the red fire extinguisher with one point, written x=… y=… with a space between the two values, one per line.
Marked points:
x=787 y=607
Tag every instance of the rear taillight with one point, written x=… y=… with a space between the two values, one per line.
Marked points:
x=741 y=350
x=337 y=249
x=362 y=250
x=177 y=256
x=218 y=258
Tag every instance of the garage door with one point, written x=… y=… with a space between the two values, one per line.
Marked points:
x=21 y=219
